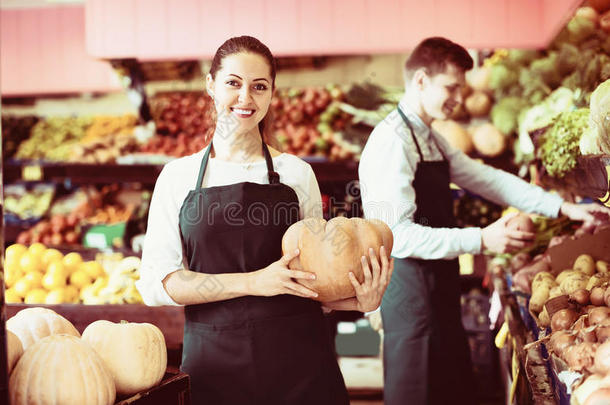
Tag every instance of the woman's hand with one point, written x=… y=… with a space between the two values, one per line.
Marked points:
x=277 y=279
x=376 y=280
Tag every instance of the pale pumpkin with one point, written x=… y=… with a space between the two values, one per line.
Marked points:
x=14 y=349
x=135 y=353
x=61 y=369
x=32 y=324
x=332 y=249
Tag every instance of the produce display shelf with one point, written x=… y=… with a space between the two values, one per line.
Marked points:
x=78 y=173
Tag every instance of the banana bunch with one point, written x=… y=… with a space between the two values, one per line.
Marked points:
x=118 y=287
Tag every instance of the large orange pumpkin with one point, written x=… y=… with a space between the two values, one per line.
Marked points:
x=134 y=353
x=32 y=324
x=63 y=370
x=332 y=249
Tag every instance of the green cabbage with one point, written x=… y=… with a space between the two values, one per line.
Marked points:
x=560 y=144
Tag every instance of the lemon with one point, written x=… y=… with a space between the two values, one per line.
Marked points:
x=93 y=268
x=56 y=296
x=35 y=296
x=11 y=297
x=37 y=249
x=30 y=262
x=22 y=287
x=11 y=276
x=15 y=251
x=59 y=268
x=80 y=279
x=72 y=294
x=35 y=278
x=72 y=261
x=50 y=256
x=12 y=263
x=53 y=280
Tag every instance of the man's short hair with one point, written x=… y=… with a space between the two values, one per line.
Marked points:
x=435 y=54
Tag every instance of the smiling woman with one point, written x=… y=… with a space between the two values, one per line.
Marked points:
x=216 y=248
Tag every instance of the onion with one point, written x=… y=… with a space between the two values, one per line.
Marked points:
x=560 y=341
x=563 y=319
x=597 y=296
x=602 y=333
x=607 y=296
x=581 y=356
x=602 y=359
x=581 y=296
x=598 y=314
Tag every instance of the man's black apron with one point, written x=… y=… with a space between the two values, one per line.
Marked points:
x=251 y=350
x=426 y=354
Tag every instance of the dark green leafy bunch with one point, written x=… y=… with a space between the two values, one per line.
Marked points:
x=560 y=150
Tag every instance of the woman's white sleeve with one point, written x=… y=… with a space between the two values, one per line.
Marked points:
x=162 y=252
x=310 y=199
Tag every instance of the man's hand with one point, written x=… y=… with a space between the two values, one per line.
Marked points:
x=498 y=238
x=592 y=215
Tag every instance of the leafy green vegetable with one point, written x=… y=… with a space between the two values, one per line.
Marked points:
x=559 y=149
x=502 y=77
x=505 y=113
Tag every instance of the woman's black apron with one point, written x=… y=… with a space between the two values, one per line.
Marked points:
x=426 y=354
x=251 y=350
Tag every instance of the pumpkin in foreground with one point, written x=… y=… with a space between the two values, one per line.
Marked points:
x=134 y=353
x=33 y=324
x=14 y=350
x=61 y=369
x=332 y=249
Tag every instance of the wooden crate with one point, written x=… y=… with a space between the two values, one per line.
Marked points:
x=174 y=389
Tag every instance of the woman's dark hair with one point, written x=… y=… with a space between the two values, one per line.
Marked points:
x=250 y=45
x=435 y=54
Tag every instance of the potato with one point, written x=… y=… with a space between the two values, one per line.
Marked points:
x=542 y=278
x=561 y=276
x=597 y=280
x=539 y=297
x=601 y=266
x=555 y=292
x=586 y=264
x=574 y=282
x=544 y=318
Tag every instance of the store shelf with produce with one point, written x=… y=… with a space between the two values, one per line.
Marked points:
x=77 y=173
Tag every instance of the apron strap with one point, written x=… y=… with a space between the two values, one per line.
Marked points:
x=406 y=120
x=203 y=166
x=274 y=177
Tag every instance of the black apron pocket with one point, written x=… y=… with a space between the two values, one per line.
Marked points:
x=219 y=363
